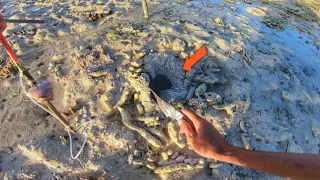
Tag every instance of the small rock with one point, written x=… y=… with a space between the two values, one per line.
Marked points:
x=208 y=79
x=212 y=98
x=151 y=165
x=214 y=166
x=178 y=45
x=218 y=21
x=201 y=89
x=293 y=147
x=183 y=55
x=233 y=9
x=164 y=156
x=140 y=108
x=139 y=55
x=201 y=161
x=197 y=103
x=175 y=155
x=180 y=158
x=190 y=93
x=136 y=96
x=315 y=127
x=137 y=63
x=190 y=161
x=169 y=152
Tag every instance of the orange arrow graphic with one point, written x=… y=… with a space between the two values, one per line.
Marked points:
x=195 y=58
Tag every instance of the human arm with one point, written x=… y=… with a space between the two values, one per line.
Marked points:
x=207 y=141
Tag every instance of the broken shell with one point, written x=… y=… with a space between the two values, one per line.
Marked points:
x=233 y=9
x=100 y=73
x=243 y=127
x=245 y=141
x=201 y=89
x=151 y=165
x=214 y=166
x=138 y=163
x=190 y=161
x=137 y=63
x=173 y=167
x=212 y=98
x=174 y=134
x=136 y=97
x=131 y=69
x=130 y=159
x=137 y=152
x=148 y=119
x=126 y=119
x=183 y=55
x=169 y=152
x=139 y=70
x=164 y=156
x=180 y=158
x=140 y=108
x=175 y=155
x=201 y=161
x=153 y=158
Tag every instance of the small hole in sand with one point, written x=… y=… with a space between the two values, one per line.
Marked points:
x=160 y=83
x=19 y=135
x=3 y=100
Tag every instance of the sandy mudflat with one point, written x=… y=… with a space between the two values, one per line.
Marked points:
x=262 y=68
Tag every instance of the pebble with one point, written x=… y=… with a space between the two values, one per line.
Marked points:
x=169 y=152
x=180 y=158
x=136 y=97
x=218 y=20
x=175 y=155
x=315 y=127
x=164 y=156
x=214 y=166
x=201 y=89
x=140 y=108
x=233 y=9
x=51 y=66
x=190 y=93
x=190 y=161
x=201 y=161
x=212 y=98
x=137 y=63
x=183 y=55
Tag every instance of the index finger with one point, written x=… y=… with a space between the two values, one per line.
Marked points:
x=196 y=120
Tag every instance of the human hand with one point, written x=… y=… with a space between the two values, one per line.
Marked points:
x=206 y=141
x=3 y=24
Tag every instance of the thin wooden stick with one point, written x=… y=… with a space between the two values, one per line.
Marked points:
x=145 y=9
x=22 y=21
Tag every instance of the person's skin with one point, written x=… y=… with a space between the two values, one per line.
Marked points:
x=208 y=142
x=3 y=24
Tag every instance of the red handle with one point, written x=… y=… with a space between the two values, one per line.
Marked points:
x=8 y=49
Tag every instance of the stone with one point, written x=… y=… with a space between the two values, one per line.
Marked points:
x=208 y=79
x=293 y=147
x=201 y=89
x=178 y=45
x=315 y=127
x=212 y=98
